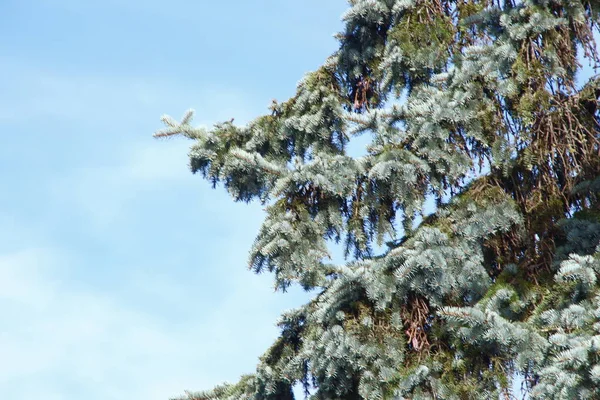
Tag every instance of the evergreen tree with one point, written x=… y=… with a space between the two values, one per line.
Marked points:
x=478 y=105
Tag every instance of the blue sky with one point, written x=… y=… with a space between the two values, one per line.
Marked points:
x=123 y=276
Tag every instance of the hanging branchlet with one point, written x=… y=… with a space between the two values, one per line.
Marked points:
x=417 y=317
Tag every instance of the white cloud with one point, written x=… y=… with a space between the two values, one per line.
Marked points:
x=102 y=193
x=20 y=273
x=54 y=332
x=119 y=101
x=43 y=93
x=159 y=161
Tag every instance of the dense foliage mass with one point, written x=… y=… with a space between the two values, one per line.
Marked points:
x=478 y=105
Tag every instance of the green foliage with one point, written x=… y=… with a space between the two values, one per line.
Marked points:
x=472 y=104
x=424 y=37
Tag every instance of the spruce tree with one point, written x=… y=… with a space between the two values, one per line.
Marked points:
x=478 y=106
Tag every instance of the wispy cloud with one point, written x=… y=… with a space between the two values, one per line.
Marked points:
x=21 y=272
x=56 y=330
x=118 y=100
x=103 y=192
x=138 y=182
x=96 y=340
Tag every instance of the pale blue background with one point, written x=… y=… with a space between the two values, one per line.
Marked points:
x=123 y=276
